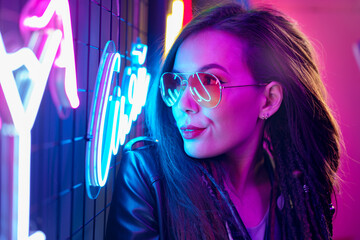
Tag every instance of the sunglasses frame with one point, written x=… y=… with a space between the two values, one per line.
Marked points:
x=183 y=80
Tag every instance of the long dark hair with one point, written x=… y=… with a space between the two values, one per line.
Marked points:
x=302 y=136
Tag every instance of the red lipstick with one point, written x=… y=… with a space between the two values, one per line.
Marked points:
x=190 y=132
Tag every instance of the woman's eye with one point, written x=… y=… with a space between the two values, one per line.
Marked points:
x=221 y=81
x=210 y=80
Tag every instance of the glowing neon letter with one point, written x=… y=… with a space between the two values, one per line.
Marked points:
x=18 y=114
x=46 y=25
x=174 y=23
x=109 y=124
x=136 y=83
x=98 y=150
x=63 y=85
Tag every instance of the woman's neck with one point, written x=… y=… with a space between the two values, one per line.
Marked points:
x=247 y=170
x=243 y=165
x=247 y=182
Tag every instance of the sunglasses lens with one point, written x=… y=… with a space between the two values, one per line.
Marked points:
x=170 y=85
x=205 y=89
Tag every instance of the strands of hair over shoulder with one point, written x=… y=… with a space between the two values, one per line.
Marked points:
x=302 y=136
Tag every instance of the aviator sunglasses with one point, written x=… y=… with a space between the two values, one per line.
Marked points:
x=205 y=88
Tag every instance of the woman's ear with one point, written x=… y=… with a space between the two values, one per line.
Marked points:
x=273 y=94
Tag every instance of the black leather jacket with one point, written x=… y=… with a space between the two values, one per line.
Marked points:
x=136 y=211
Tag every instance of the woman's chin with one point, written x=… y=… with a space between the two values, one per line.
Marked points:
x=193 y=152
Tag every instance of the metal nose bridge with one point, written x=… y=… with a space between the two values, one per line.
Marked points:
x=188 y=94
x=184 y=83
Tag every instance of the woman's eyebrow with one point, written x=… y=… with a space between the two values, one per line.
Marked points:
x=212 y=65
x=206 y=67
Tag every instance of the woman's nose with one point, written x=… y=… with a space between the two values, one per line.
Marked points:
x=186 y=103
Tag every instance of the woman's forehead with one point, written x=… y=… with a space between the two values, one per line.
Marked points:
x=210 y=47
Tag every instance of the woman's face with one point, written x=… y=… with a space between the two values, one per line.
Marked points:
x=233 y=127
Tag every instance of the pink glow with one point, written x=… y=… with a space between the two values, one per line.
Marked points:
x=187 y=11
x=333 y=28
x=52 y=15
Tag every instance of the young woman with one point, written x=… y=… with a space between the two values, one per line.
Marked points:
x=245 y=146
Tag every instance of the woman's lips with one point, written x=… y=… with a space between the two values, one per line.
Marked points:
x=190 y=132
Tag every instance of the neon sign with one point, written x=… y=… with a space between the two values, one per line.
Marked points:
x=37 y=23
x=174 y=23
x=111 y=116
x=18 y=118
x=49 y=47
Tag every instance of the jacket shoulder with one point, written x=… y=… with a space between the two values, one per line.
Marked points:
x=144 y=160
x=134 y=210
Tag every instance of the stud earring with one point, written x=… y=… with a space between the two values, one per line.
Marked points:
x=265 y=116
x=332 y=209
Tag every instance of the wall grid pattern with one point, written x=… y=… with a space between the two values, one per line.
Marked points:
x=59 y=205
